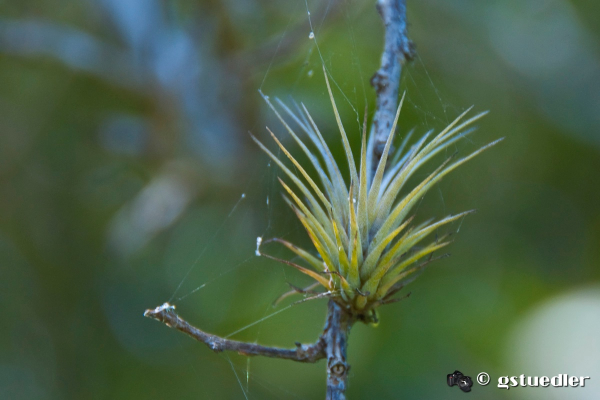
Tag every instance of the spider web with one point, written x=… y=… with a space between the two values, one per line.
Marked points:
x=206 y=287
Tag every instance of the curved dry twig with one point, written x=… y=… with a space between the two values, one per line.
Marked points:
x=308 y=353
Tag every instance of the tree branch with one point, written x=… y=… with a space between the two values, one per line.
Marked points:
x=386 y=81
x=335 y=337
x=302 y=353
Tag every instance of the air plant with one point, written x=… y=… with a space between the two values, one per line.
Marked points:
x=366 y=246
x=363 y=231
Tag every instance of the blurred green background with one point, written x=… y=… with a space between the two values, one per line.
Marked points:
x=124 y=155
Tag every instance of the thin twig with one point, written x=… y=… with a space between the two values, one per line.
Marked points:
x=303 y=353
x=386 y=81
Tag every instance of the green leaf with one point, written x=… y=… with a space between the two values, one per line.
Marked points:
x=319 y=278
x=363 y=220
x=374 y=191
x=394 y=276
x=351 y=163
x=318 y=210
x=303 y=254
x=314 y=223
x=303 y=172
x=375 y=250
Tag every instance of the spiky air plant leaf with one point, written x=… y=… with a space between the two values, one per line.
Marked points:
x=362 y=231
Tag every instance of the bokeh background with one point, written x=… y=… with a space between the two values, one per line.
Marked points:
x=124 y=155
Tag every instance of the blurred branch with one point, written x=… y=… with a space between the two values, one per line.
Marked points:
x=302 y=353
x=386 y=81
x=161 y=60
x=73 y=47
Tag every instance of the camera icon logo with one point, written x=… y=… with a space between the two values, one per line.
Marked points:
x=462 y=381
